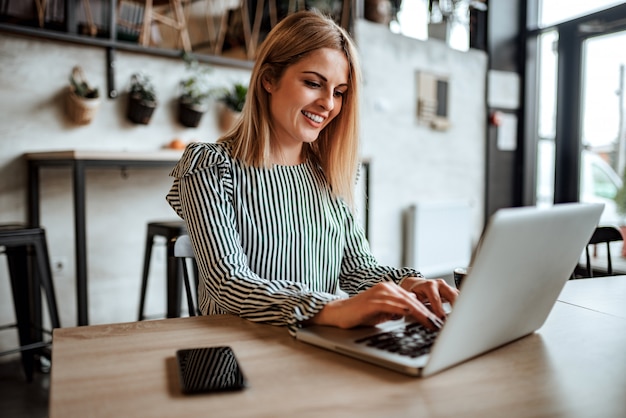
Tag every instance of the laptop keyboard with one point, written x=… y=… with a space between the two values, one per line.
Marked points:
x=412 y=340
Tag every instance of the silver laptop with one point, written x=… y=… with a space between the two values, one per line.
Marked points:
x=521 y=265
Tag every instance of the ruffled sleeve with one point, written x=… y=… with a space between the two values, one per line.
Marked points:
x=196 y=158
x=203 y=194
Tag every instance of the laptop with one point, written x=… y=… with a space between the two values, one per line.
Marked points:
x=522 y=262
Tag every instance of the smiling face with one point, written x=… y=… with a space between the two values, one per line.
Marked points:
x=304 y=101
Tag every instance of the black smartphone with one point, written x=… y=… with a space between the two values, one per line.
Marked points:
x=209 y=369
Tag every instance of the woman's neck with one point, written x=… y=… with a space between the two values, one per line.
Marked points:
x=287 y=155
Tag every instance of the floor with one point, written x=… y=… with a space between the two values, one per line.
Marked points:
x=19 y=398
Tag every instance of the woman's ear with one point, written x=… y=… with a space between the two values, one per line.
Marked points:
x=267 y=84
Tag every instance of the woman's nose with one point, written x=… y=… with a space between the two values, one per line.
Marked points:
x=327 y=100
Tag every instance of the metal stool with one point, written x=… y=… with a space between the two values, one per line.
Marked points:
x=30 y=272
x=169 y=230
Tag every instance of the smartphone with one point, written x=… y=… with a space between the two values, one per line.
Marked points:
x=209 y=369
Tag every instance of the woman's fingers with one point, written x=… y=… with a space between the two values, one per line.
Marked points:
x=385 y=301
x=433 y=293
x=393 y=297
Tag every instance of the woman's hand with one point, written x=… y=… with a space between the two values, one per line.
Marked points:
x=386 y=301
x=432 y=293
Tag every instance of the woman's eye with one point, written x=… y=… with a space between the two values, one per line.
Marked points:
x=312 y=84
x=339 y=93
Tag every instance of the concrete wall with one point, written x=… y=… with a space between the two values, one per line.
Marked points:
x=409 y=162
x=412 y=163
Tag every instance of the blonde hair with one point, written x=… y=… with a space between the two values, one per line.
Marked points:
x=336 y=148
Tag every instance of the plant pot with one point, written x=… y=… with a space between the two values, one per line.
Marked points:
x=190 y=115
x=227 y=118
x=80 y=110
x=378 y=11
x=140 y=112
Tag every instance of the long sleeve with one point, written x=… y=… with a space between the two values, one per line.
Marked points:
x=203 y=195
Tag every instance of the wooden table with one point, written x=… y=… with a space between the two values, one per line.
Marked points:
x=607 y=295
x=574 y=366
x=79 y=162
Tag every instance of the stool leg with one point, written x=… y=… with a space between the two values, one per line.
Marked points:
x=196 y=275
x=45 y=280
x=18 y=270
x=174 y=286
x=36 y=327
x=190 y=302
x=146 y=271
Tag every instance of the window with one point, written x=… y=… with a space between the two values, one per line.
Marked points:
x=556 y=11
x=603 y=185
x=571 y=102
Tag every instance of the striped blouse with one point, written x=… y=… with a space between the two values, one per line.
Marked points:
x=273 y=244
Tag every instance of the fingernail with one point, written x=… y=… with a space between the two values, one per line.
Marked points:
x=438 y=323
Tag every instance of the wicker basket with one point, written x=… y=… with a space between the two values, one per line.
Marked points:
x=188 y=115
x=138 y=112
x=80 y=110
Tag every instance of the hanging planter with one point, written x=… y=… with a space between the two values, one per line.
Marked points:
x=139 y=111
x=195 y=92
x=378 y=11
x=141 y=99
x=82 y=101
x=227 y=118
x=233 y=101
x=190 y=114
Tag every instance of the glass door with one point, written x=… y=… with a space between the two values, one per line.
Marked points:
x=603 y=149
x=579 y=110
x=546 y=116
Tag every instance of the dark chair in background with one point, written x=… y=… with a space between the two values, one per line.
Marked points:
x=30 y=273
x=602 y=235
x=168 y=230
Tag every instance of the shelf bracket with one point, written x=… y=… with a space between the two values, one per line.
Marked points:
x=111 y=73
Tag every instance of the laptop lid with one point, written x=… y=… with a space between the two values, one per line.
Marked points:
x=521 y=265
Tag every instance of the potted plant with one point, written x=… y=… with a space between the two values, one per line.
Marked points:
x=82 y=100
x=141 y=99
x=233 y=100
x=195 y=92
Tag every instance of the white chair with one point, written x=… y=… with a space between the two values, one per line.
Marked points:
x=183 y=251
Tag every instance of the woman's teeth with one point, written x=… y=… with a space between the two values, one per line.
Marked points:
x=314 y=118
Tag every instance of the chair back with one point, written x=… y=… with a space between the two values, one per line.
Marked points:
x=603 y=235
x=182 y=247
x=183 y=251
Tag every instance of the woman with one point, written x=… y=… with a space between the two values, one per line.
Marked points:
x=268 y=207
